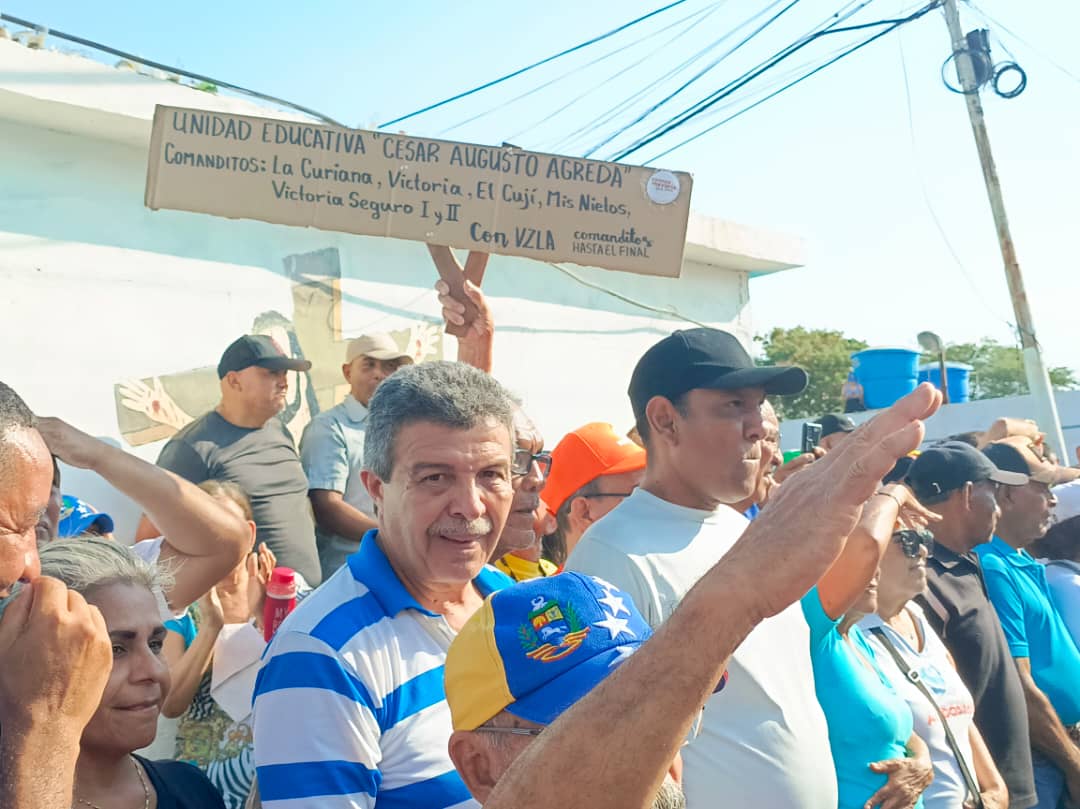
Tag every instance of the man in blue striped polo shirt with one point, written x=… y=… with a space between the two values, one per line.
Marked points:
x=349 y=705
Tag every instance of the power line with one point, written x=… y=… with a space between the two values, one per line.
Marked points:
x=705 y=104
x=614 y=111
x=926 y=194
x=701 y=14
x=89 y=43
x=527 y=68
x=785 y=87
x=693 y=78
x=830 y=22
x=1023 y=41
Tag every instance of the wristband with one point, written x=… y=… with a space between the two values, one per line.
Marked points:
x=890 y=495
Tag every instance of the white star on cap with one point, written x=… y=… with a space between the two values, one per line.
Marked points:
x=624 y=652
x=606 y=585
x=616 y=626
x=614 y=603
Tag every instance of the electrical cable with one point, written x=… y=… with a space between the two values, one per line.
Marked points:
x=978 y=10
x=844 y=13
x=617 y=75
x=614 y=111
x=671 y=312
x=926 y=193
x=711 y=100
x=701 y=14
x=642 y=116
x=89 y=43
x=527 y=68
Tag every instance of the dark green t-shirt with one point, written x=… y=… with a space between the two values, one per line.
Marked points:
x=263 y=462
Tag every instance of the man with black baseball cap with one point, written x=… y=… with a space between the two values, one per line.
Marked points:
x=960 y=484
x=697 y=398
x=242 y=440
x=1046 y=655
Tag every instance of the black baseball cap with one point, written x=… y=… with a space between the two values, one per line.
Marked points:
x=946 y=467
x=258 y=349
x=835 y=423
x=705 y=358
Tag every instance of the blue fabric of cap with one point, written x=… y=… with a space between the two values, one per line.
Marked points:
x=559 y=637
x=76 y=516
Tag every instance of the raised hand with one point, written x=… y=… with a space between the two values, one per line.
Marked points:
x=801 y=533
x=57 y=658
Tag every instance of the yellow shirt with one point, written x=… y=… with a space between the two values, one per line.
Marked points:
x=520 y=569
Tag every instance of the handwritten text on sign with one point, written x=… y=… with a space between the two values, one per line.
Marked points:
x=499 y=200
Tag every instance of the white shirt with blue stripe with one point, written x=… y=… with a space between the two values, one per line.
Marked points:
x=349 y=709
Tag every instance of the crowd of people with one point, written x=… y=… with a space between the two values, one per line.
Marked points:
x=670 y=616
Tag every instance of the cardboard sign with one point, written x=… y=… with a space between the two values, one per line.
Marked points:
x=485 y=198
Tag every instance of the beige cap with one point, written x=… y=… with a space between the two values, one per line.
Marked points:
x=380 y=346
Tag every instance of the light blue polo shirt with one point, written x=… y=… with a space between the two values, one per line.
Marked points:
x=332 y=453
x=1033 y=627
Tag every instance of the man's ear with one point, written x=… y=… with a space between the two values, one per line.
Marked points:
x=661 y=414
x=346 y=371
x=473 y=761
x=579 y=514
x=374 y=485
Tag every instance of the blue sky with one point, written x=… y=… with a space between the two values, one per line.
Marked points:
x=837 y=159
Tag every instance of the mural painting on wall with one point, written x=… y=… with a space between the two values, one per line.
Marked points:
x=153 y=409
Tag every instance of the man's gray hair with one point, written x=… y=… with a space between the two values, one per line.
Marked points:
x=451 y=394
x=88 y=562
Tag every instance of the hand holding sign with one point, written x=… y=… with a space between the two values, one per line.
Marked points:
x=460 y=319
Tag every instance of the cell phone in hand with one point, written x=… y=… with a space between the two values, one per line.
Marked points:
x=811 y=436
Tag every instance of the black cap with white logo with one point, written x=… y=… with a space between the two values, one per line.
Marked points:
x=946 y=467
x=258 y=349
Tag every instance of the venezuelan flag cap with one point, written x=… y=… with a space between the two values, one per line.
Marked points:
x=536 y=648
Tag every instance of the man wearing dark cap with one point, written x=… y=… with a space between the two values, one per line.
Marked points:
x=834 y=429
x=697 y=399
x=243 y=441
x=1046 y=655
x=960 y=484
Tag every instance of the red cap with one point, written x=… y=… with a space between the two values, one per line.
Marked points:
x=584 y=455
x=282 y=583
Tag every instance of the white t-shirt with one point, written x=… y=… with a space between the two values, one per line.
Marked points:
x=763 y=739
x=948 y=789
x=1063 y=578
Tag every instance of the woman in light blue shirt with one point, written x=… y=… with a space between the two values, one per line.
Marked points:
x=878 y=759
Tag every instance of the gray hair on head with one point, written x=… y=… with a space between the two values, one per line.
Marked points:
x=87 y=562
x=451 y=394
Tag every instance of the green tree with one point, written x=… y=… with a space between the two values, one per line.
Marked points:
x=998 y=370
x=826 y=356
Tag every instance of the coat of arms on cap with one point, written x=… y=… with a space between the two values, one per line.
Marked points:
x=551 y=632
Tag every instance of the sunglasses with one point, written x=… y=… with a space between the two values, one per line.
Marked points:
x=524 y=459
x=912 y=541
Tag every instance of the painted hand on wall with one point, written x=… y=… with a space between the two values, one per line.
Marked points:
x=153 y=401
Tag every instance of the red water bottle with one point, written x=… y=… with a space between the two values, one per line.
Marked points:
x=280 y=599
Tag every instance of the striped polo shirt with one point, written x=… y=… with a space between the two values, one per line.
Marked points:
x=349 y=704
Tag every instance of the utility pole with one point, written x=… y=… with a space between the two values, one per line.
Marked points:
x=1037 y=377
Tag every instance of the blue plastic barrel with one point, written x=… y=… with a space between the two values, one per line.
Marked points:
x=958 y=375
x=886 y=374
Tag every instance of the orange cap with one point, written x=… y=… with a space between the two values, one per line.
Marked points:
x=586 y=454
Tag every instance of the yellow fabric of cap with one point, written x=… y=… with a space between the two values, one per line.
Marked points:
x=474 y=675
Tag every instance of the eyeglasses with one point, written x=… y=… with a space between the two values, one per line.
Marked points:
x=911 y=541
x=512 y=731
x=524 y=459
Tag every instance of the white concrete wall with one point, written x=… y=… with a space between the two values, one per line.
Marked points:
x=979 y=415
x=96 y=289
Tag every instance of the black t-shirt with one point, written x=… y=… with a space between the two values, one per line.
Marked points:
x=263 y=462
x=957 y=607
x=180 y=786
